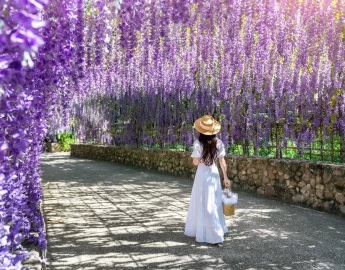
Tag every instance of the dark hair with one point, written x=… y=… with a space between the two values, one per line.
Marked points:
x=209 y=149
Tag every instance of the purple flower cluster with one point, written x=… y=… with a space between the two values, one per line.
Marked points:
x=21 y=130
x=252 y=64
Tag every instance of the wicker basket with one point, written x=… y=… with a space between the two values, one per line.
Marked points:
x=229 y=209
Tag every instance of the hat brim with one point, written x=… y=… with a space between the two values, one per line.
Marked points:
x=215 y=130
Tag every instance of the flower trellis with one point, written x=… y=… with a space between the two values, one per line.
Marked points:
x=253 y=64
x=143 y=73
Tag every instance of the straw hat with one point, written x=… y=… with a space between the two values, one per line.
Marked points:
x=207 y=125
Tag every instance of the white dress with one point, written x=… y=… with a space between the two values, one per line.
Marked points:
x=205 y=218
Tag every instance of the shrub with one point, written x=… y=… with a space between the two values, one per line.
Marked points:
x=65 y=140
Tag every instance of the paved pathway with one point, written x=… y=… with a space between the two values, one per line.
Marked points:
x=102 y=215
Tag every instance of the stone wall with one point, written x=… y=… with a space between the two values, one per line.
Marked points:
x=52 y=147
x=317 y=185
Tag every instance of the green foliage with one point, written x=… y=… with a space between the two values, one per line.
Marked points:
x=266 y=152
x=312 y=153
x=165 y=147
x=235 y=149
x=65 y=140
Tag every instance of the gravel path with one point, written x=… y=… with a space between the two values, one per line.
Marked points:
x=102 y=215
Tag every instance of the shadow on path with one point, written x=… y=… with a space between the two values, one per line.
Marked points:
x=102 y=215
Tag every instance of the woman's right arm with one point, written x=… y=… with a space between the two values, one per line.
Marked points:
x=196 y=161
x=196 y=153
x=222 y=163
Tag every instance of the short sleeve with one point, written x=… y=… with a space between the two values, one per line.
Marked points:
x=221 y=149
x=196 y=150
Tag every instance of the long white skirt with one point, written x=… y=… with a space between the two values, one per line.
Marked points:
x=205 y=218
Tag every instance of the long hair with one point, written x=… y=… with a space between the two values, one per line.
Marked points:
x=209 y=149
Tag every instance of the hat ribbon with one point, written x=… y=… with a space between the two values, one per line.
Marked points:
x=206 y=127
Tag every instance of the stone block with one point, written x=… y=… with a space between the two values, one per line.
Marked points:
x=310 y=202
x=319 y=194
x=315 y=205
x=306 y=176
x=340 y=198
x=338 y=172
x=320 y=187
x=305 y=191
x=293 y=184
x=281 y=178
x=236 y=179
x=328 y=206
x=243 y=178
x=260 y=191
x=318 y=179
x=316 y=168
x=236 y=186
x=342 y=209
x=328 y=195
x=255 y=176
x=293 y=167
x=327 y=175
x=271 y=175
x=265 y=180
x=302 y=184
x=291 y=192
x=298 y=198
x=339 y=182
x=258 y=183
x=269 y=191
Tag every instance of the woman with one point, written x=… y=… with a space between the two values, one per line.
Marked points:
x=205 y=219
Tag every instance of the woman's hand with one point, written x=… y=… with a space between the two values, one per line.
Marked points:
x=227 y=182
